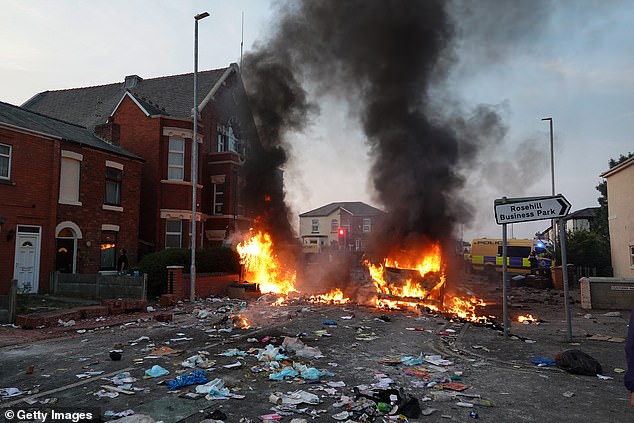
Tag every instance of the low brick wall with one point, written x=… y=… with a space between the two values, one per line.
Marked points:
x=97 y=286
x=207 y=285
x=107 y=307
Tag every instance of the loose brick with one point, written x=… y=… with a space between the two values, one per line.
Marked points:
x=164 y=317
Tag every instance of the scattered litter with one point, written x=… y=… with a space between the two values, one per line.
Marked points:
x=197 y=377
x=612 y=314
x=156 y=371
x=568 y=394
x=606 y=338
x=329 y=323
x=619 y=370
x=10 y=392
x=541 y=361
x=197 y=361
x=578 y=362
x=102 y=393
x=110 y=413
x=233 y=365
x=66 y=324
x=602 y=377
x=233 y=352
x=296 y=346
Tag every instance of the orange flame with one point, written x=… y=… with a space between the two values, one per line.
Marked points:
x=527 y=319
x=335 y=296
x=421 y=281
x=263 y=267
x=241 y=322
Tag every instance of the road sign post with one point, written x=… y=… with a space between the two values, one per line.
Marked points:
x=526 y=209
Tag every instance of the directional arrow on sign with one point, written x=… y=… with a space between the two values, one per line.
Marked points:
x=514 y=210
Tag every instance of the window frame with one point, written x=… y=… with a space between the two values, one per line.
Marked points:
x=6 y=156
x=112 y=250
x=180 y=167
x=367 y=225
x=631 y=246
x=314 y=226
x=116 y=181
x=173 y=233
x=219 y=194
x=66 y=179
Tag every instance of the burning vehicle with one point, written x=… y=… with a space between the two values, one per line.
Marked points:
x=406 y=282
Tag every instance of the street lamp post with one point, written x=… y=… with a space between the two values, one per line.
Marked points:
x=552 y=173
x=194 y=170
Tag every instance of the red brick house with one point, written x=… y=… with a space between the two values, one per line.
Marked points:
x=68 y=199
x=152 y=118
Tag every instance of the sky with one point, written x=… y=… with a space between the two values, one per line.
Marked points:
x=572 y=62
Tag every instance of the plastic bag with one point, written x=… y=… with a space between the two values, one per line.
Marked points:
x=578 y=362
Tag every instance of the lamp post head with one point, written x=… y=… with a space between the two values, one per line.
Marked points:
x=201 y=16
x=549 y=118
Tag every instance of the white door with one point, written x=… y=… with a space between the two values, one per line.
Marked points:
x=27 y=259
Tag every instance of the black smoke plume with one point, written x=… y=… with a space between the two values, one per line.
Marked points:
x=385 y=57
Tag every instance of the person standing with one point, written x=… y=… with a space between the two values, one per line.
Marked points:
x=629 y=356
x=122 y=263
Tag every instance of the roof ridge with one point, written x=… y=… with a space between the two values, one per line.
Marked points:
x=43 y=115
x=121 y=82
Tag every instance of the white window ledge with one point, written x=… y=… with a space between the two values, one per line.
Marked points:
x=70 y=203
x=112 y=208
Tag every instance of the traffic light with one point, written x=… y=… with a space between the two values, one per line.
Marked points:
x=342 y=236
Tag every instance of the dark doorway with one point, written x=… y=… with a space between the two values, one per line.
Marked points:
x=65 y=254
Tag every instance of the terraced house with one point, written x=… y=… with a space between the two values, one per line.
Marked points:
x=153 y=119
x=68 y=199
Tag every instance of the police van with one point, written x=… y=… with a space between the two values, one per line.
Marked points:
x=486 y=255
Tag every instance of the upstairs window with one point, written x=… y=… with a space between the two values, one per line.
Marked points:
x=113 y=186
x=5 y=161
x=367 y=225
x=227 y=139
x=315 y=226
x=69 y=176
x=334 y=225
x=176 y=160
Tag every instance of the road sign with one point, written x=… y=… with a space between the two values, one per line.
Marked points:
x=513 y=210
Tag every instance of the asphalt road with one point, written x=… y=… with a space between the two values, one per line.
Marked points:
x=364 y=346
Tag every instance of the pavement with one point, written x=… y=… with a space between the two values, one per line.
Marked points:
x=450 y=367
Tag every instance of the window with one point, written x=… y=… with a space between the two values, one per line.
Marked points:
x=69 y=180
x=108 y=250
x=334 y=225
x=5 y=161
x=233 y=141
x=113 y=186
x=367 y=225
x=173 y=233
x=227 y=140
x=176 y=160
x=219 y=196
x=632 y=255
x=315 y=226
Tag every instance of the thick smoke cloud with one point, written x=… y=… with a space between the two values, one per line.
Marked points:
x=387 y=59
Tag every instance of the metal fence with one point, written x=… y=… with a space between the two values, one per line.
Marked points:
x=99 y=286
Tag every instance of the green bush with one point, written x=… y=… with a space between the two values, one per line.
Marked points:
x=208 y=260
